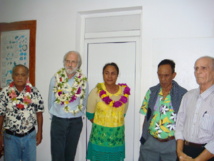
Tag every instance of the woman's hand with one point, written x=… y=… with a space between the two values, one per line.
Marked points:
x=92 y=120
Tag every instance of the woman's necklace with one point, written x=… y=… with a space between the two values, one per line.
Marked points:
x=123 y=99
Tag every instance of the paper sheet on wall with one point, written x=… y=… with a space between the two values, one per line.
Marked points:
x=14 y=50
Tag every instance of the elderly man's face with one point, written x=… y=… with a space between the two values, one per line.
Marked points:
x=204 y=73
x=20 y=77
x=71 y=63
x=165 y=75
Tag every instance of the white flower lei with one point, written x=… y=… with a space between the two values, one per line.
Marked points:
x=65 y=93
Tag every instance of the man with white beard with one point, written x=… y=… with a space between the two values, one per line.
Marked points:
x=68 y=92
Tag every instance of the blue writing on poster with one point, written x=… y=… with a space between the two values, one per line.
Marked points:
x=14 y=50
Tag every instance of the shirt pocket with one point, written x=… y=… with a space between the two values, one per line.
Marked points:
x=206 y=125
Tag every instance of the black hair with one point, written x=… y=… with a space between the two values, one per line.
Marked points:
x=169 y=62
x=111 y=64
x=20 y=65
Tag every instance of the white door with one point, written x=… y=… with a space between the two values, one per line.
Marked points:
x=124 y=55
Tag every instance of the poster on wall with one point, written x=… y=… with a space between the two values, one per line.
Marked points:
x=14 y=51
x=17 y=46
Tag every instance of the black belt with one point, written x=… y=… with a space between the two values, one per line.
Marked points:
x=193 y=144
x=19 y=135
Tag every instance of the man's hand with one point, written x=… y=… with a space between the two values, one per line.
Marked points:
x=1 y=134
x=1 y=144
x=39 y=132
x=184 y=157
x=38 y=138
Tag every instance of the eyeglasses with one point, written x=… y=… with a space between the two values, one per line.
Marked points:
x=71 y=62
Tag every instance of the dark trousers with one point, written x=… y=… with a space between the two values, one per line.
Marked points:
x=154 y=150
x=194 y=151
x=65 y=135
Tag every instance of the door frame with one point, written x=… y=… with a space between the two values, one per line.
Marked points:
x=136 y=91
x=82 y=41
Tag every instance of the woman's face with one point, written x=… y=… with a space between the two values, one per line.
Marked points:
x=110 y=75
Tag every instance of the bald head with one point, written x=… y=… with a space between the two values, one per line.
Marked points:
x=209 y=59
x=204 y=72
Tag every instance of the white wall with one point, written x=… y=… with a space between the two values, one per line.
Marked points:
x=181 y=30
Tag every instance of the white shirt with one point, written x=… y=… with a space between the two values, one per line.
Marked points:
x=195 y=119
x=20 y=120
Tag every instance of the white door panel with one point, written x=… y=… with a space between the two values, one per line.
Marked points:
x=124 y=55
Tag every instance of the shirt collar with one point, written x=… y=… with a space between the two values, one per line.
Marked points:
x=206 y=93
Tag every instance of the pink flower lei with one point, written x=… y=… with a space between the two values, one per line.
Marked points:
x=22 y=102
x=123 y=99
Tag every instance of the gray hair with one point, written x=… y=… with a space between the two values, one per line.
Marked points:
x=208 y=57
x=22 y=66
x=78 y=55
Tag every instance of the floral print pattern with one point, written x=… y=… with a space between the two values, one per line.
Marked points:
x=20 y=120
x=110 y=137
x=163 y=120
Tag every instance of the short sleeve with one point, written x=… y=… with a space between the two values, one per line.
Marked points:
x=3 y=102
x=144 y=107
x=38 y=102
x=92 y=101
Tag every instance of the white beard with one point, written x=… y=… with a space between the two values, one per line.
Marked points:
x=71 y=71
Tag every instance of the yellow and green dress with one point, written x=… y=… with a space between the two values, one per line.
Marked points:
x=107 y=139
